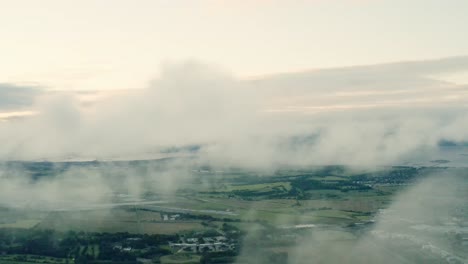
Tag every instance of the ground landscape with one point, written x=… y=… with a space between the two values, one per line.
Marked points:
x=241 y=216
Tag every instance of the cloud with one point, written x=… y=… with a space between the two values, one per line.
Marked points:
x=363 y=115
x=78 y=186
x=14 y=97
x=414 y=226
x=375 y=114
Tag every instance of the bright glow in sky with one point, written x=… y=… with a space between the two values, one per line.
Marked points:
x=120 y=44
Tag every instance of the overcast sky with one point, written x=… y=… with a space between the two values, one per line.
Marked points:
x=258 y=83
x=121 y=44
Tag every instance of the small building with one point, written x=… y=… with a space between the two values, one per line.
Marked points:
x=192 y=240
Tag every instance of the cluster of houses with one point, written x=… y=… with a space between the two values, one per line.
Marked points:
x=173 y=217
x=120 y=247
x=205 y=244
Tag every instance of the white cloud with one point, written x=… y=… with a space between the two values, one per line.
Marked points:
x=359 y=115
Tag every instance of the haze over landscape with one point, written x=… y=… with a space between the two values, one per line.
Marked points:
x=234 y=131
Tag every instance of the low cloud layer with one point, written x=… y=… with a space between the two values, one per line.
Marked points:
x=414 y=227
x=86 y=186
x=417 y=227
x=367 y=116
x=375 y=114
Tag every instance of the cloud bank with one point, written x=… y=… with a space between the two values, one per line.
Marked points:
x=375 y=114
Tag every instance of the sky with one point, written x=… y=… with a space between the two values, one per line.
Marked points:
x=121 y=44
x=254 y=83
x=259 y=84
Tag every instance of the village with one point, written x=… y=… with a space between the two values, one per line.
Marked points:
x=205 y=244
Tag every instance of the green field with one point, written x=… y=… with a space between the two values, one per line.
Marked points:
x=265 y=213
x=261 y=187
x=20 y=259
x=180 y=259
x=227 y=204
x=21 y=223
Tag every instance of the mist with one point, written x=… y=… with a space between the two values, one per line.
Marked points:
x=416 y=227
x=358 y=115
x=196 y=115
x=387 y=114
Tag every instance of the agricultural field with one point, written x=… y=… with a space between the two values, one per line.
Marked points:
x=272 y=213
x=180 y=259
x=320 y=196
